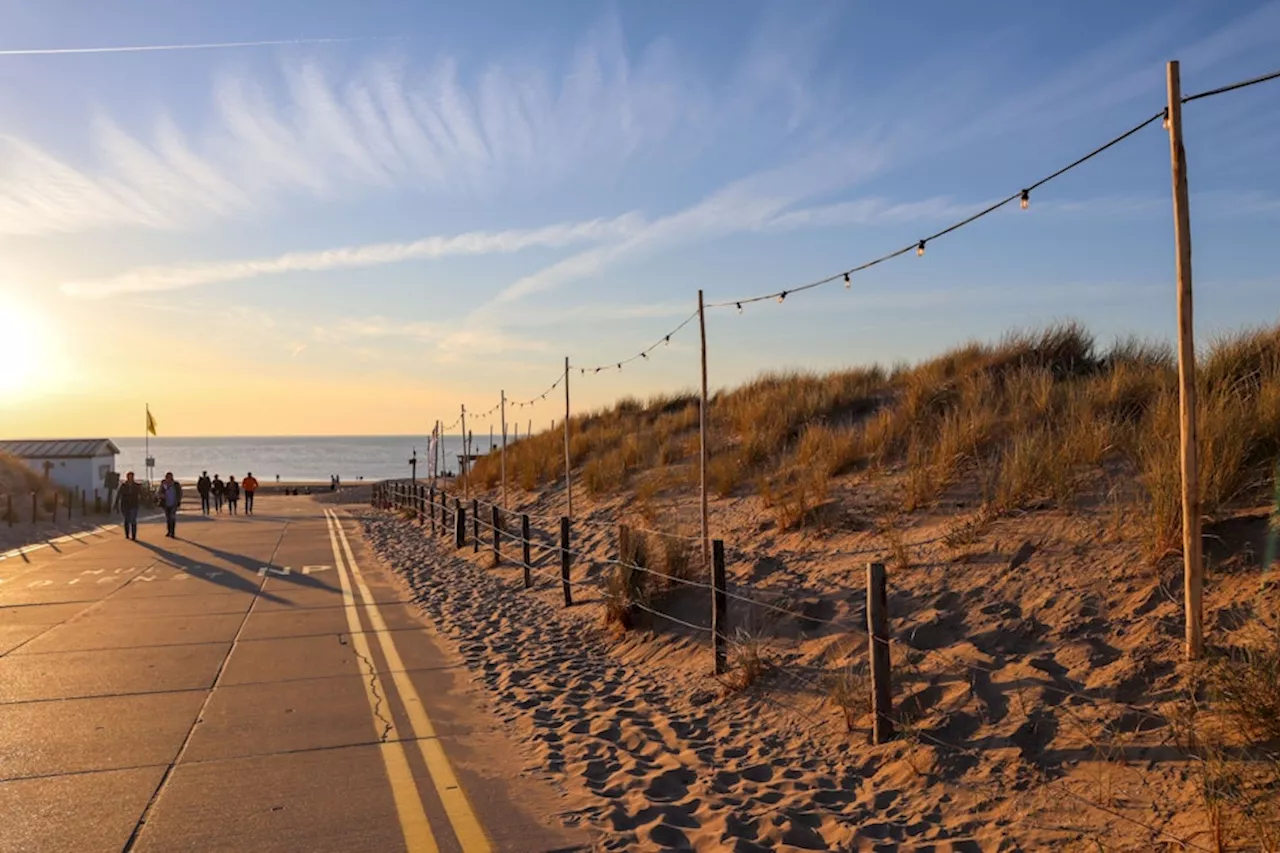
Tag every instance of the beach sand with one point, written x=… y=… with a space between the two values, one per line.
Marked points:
x=1034 y=666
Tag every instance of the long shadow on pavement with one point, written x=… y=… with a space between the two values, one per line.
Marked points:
x=223 y=578
x=254 y=565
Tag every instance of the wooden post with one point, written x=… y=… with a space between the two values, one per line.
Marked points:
x=97 y=503
x=524 y=549
x=459 y=524
x=35 y=507
x=497 y=540
x=564 y=561
x=54 y=515
x=475 y=525
x=504 y=449
x=10 y=513
x=624 y=544
x=84 y=502
x=719 y=606
x=431 y=508
x=466 y=452
x=878 y=638
x=568 y=467
x=702 y=432
x=1192 y=557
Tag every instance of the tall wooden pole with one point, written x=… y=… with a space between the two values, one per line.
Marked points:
x=702 y=433
x=1192 y=558
x=568 y=467
x=466 y=487
x=504 y=449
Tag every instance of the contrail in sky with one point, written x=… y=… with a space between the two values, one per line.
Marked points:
x=44 y=51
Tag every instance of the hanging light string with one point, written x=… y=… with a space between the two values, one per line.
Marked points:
x=1232 y=87
x=520 y=404
x=644 y=353
x=1023 y=196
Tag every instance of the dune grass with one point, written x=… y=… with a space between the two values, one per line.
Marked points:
x=1030 y=422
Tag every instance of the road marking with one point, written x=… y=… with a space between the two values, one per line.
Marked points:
x=404 y=790
x=306 y=570
x=466 y=826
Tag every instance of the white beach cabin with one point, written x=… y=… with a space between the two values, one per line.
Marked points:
x=78 y=463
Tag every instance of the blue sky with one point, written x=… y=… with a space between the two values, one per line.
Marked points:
x=356 y=236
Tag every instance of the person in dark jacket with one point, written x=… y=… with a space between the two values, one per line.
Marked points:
x=219 y=490
x=128 y=499
x=170 y=498
x=233 y=494
x=204 y=486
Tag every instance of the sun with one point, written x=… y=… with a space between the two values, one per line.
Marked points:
x=22 y=339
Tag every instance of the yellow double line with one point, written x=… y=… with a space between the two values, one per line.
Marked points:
x=413 y=819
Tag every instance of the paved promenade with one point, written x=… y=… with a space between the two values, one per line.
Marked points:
x=258 y=684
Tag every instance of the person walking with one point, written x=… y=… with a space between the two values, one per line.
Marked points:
x=219 y=490
x=170 y=495
x=128 y=499
x=233 y=494
x=204 y=486
x=250 y=485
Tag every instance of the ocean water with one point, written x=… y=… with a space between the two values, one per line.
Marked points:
x=293 y=459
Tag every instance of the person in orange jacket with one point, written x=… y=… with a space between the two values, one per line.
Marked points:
x=249 y=485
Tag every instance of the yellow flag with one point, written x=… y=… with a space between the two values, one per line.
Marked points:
x=151 y=423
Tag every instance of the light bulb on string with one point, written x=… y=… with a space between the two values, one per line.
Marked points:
x=739 y=307
x=1026 y=199
x=619 y=365
x=1165 y=123
x=668 y=340
x=920 y=249
x=782 y=296
x=847 y=284
x=644 y=355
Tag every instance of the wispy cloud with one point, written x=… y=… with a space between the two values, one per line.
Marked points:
x=387 y=127
x=159 y=278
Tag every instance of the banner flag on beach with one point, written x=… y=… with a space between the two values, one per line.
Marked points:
x=151 y=422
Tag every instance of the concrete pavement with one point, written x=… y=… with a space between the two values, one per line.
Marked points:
x=257 y=684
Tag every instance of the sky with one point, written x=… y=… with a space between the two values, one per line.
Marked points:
x=328 y=218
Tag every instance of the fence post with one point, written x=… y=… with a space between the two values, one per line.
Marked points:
x=459 y=524
x=878 y=638
x=35 y=507
x=97 y=503
x=564 y=560
x=422 y=509
x=719 y=605
x=624 y=543
x=10 y=513
x=475 y=525
x=497 y=546
x=524 y=537
x=84 y=502
x=431 y=508
x=53 y=517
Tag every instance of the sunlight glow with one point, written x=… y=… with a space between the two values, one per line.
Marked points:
x=22 y=334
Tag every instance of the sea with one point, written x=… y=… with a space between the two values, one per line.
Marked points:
x=292 y=459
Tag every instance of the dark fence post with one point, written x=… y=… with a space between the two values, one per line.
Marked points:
x=431 y=508
x=624 y=543
x=878 y=637
x=54 y=515
x=459 y=524
x=97 y=503
x=10 y=513
x=564 y=560
x=422 y=509
x=524 y=537
x=84 y=502
x=35 y=507
x=719 y=605
x=497 y=540
x=475 y=525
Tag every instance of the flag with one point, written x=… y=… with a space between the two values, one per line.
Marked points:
x=151 y=422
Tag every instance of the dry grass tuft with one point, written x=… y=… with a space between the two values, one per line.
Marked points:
x=746 y=661
x=850 y=691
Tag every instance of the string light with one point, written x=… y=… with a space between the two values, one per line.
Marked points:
x=1026 y=199
x=1165 y=122
x=739 y=307
x=847 y=284
x=920 y=249
x=782 y=296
